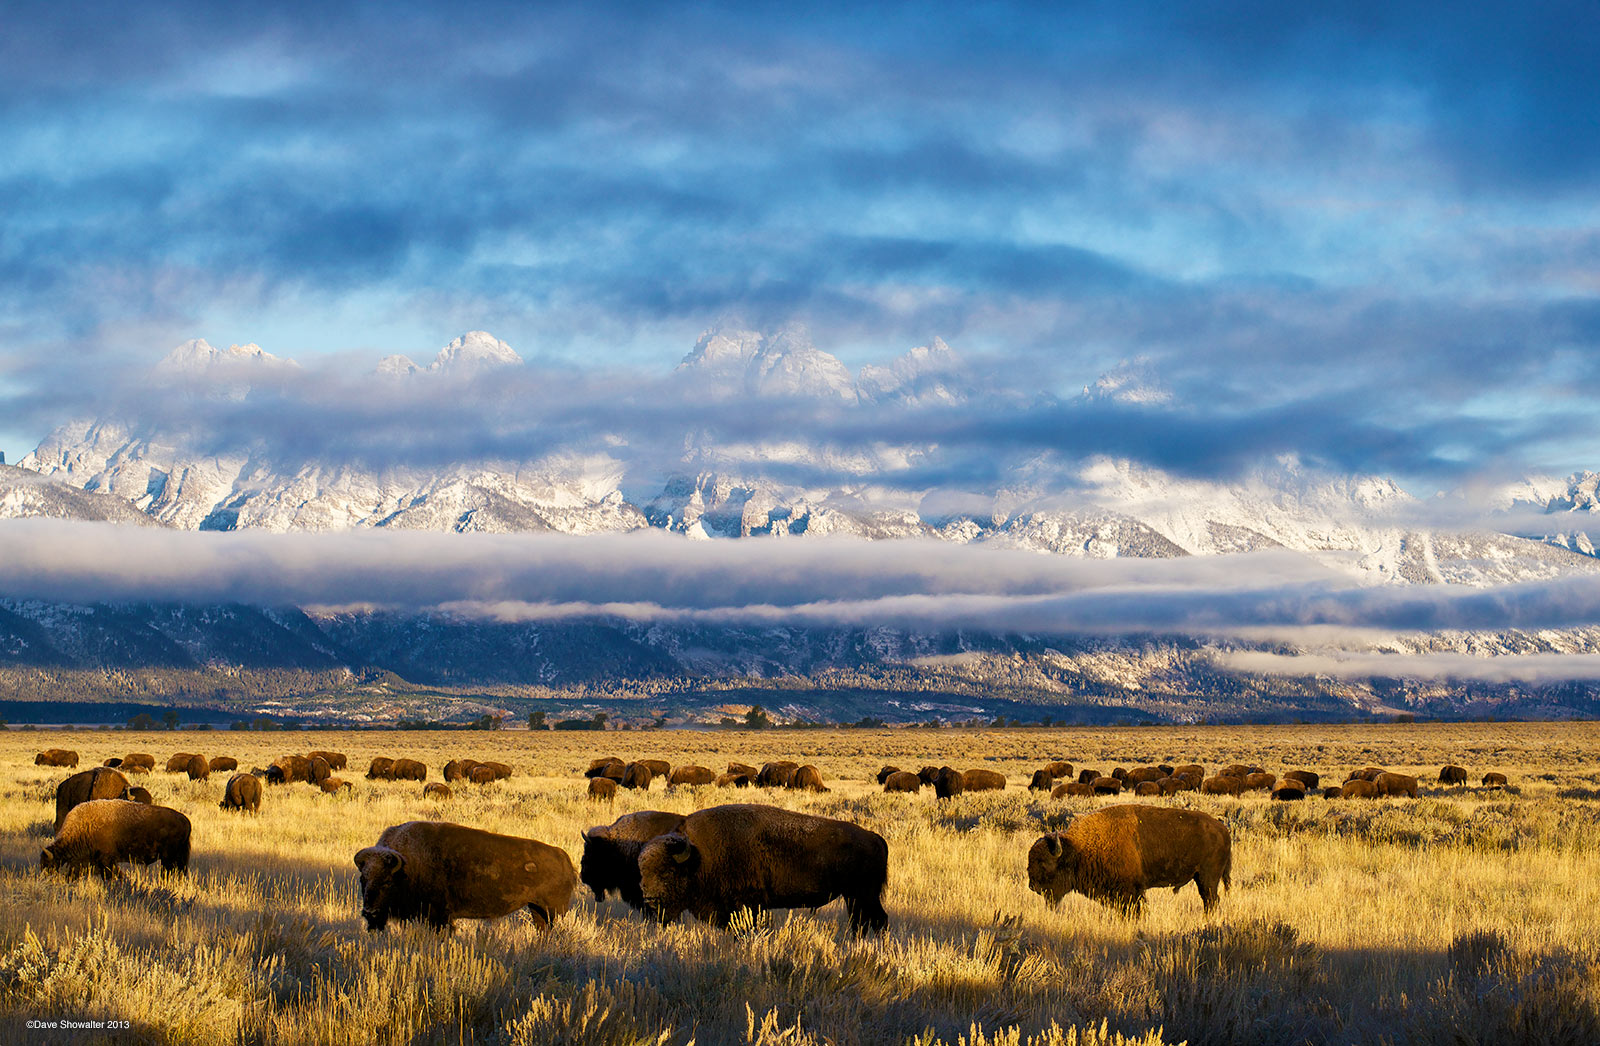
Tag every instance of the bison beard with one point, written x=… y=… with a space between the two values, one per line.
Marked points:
x=1113 y=855
x=728 y=858
x=610 y=859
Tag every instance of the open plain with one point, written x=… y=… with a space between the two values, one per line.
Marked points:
x=1466 y=915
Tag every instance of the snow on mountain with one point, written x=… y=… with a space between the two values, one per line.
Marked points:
x=928 y=375
x=28 y=495
x=781 y=364
x=197 y=355
x=473 y=351
x=397 y=366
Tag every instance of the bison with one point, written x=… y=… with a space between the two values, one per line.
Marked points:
x=1308 y=780
x=1260 y=782
x=1190 y=770
x=409 y=770
x=1396 y=784
x=749 y=856
x=179 y=762
x=485 y=775
x=1072 y=789
x=103 y=833
x=140 y=795
x=335 y=760
x=1106 y=785
x=1041 y=782
x=734 y=780
x=1494 y=780
x=501 y=770
x=807 y=779
x=435 y=790
x=610 y=861
x=638 y=776
x=1360 y=788
x=442 y=872
x=928 y=774
x=984 y=780
x=1058 y=769
x=1143 y=774
x=902 y=781
x=57 y=757
x=221 y=763
x=883 y=774
x=242 y=792
x=332 y=785
x=113 y=762
x=138 y=763
x=296 y=768
x=1114 y=855
x=273 y=774
x=1147 y=788
x=1289 y=791
x=743 y=768
x=102 y=782
x=949 y=782
x=777 y=774
x=602 y=789
x=1453 y=775
x=603 y=767
x=459 y=769
x=689 y=776
x=320 y=770
x=382 y=769
x=198 y=769
x=1333 y=792
x=658 y=767
x=1089 y=777
x=1222 y=784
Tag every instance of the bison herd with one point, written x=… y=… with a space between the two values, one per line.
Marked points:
x=713 y=862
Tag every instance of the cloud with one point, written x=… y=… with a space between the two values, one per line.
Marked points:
x=1534 y=669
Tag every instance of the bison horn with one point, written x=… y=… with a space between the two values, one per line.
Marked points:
x=678 y=847
x=1053 y=844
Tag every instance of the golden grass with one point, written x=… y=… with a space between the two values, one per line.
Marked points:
x=1463 y=916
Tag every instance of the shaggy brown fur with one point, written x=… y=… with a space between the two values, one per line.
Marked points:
x=638 y=776
x=658 y=767
x=382 y=769
x=1222 y=784
x=949 y=782
x=1260 y=782
x=140 y=795
x=223 y=763
x=332 y=785
x=435 y=790
x=691 y=775
x=984 y=781
x=56 y=757
x=242 y=792
x=1308 y=780
x=1089 y=777
x=1453 y=775
x=138 y=763
x=928 y=774
x=295 y=768
x=1106 y=786
x=410 y=770
x=610 y=862
x=103 y=833
x=335 y=760
x=502 y=771
x=1072 y=789
x=459 y=769
x=485 y=775
x=320 y=770
x=808 y=779
x=1190 y=770
x=100 y=783
x=1360 y=788
x=1396 y=785
x=442 y=872
x=749 y=856
x=1114 y=855
x=1058 y=769
x=1041 y=781
x=1289 y=791
x=1494 y=780
x=743 y=768
x=1144 y=773
x=179 y=762
x=777 y=774
x=606 y=766
x=902 y=781
x=602 y=788
x=1333 y=792
x=1146 y=788
x=883 y=774
x=734 y=781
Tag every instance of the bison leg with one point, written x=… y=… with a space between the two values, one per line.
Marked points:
x=439 y=918
x=866 y=915
x=1209 y=894
x=540 y=915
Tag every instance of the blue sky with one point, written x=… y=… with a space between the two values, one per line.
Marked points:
x=1371 y=228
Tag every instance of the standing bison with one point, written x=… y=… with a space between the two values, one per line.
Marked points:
x=690 y=776
x=949 y=782
x=335 y=760
x=610 y=862
x=807 y=779
x=435 y=790
x=606 y=766
x=777 y=774
x=1041 y=781
x=1072 y=790
x=1492 y=779
x=1453 y=775
x=734 y=780
x=199 y=769
x=602 y=789
x=138 y=763
x=1308 y=779
x=178 y=763
x=103 y=833
x=984 y=780
x=221 y=763
x=242 y=792
x=100 y=783
x=442 y=872
x=1114 y=855
x=1396 y=784
x=883 y=774
x=381 y=769
x=637 y=776
x=409 y=770
x=459 y=769
x=56 y=757
x=902 y=781
x=750 y=856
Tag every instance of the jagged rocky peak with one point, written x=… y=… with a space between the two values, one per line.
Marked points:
x=397 y=366
x=472 y=351
x=1131 y=381
x=197 y=354
x=781 y=363
x=931 y=373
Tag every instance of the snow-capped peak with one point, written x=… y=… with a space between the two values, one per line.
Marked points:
x=474 y=350
x=397 y=366
x=779 y=363
x=926 y=374
x=1131 y=381
x=197 y=355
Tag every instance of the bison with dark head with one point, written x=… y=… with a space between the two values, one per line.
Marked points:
x=410 y=770
x=1041 y=781
x=1073 y=790
x=102 y=833
x=807 y=779
x=1453 y=775
x=242 y=792
x=637 y=776
x=1493 y=779
x=1308 y=780
x=381 y=769
x=883 y=774
x=1114 y=855
x=734 y=780
x=727 y=858
x=441 y=872
x=602 y=790
x=776 y=774
x=743 y=768
x=691 y=776
x=199 y=768
x=140 y=795
x=949 y=782
x=100 y=783
x=902 y=781
x=459 y=769
x=610 y=862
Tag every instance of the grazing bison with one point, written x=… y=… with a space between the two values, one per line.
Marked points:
x=1106 y=785
x=441 y=872
x=610 y=861
x=1072 y=789
x=295 y=768
x=638 y=776
x=57 y=757
x=179 y=762
x=138 y=763
x=807 y=779
x=607 y=766
x=435 y=790
x=502 y=771
x=1369 y=774
x=1146 y=788
x=100 y=783
x=602 y=788
x=1222 y=784
x=103 y=833
x=1190 y=770
x=928 y=774
x=382 y=769
x=1089 y=777
x=1058 y=769
x=883 y=774
x=777 y=774
x=1260 y=782
x=734 y=780
x=242 y=792
x=690 y=776
x=1333 y=792
x=320 y=770
x=743 y=768
x=1114 y=855
x=1119 y=773
x=335 y=760
x=1453 y=775
x=1041 y=782
x=749 y=856
x=409 y=770
x=1360 y=788
x=1308 y=780
x=140 y=795
x=332 y=785
x=198 y=769
x=1143 y=774
x=273 y=774
x=1238 y=770
x=221 y=763
x=1396 y=784
x=1494 y=780
x=459 y=769
x=485 y=775
x=984 y=781
x=1171 y=785
x=1289 y=791
x=658 y=767
x=1166 y=769
x=949 y=782
x=113 y=762
x=902 y=781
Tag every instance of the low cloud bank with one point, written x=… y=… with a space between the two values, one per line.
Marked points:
x=1505 y=668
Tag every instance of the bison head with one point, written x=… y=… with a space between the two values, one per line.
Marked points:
x=47 y=858
x=382 y=872
x=601 y=867
x=1052 y=868
x=667 y=868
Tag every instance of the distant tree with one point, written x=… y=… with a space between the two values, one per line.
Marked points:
x=169 y=719
x=141 y=721
x=728 y=720
x=536 y=720
x=263 y=723
x=239 y=724
x=756 y=718
x=600 y=720
x=1405 y=717
x=658 y=722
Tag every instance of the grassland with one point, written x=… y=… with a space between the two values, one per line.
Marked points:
x=1464 y=916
